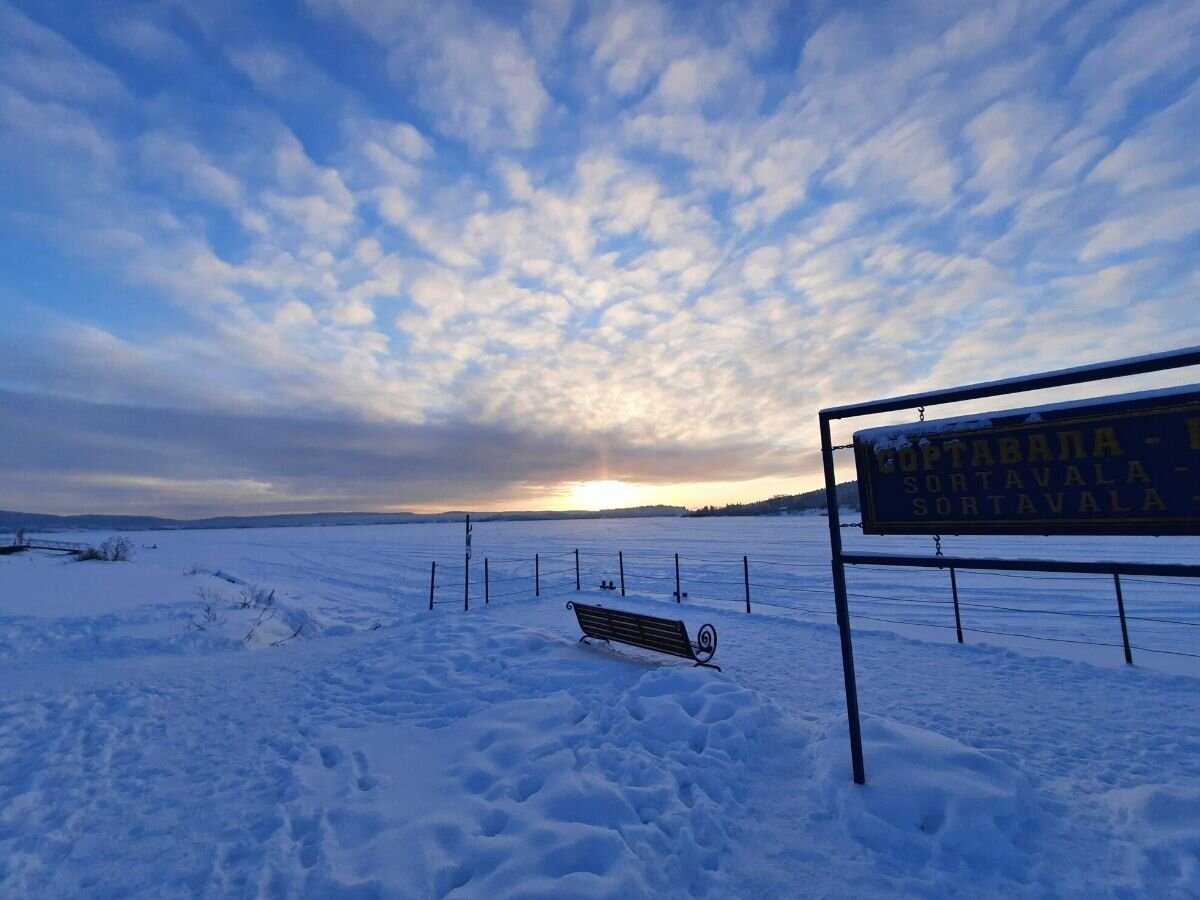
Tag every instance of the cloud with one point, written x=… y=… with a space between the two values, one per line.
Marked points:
x=72 y=137
x=179 y=161
x=161 y=455
x=285 y=75
x=39 y=61
x=476 y=77
x=1156 y=155
x=147 y=39
x=628 y=42
x=1167 y=216
x=546 y=22
x=571 y=227
x=1157 y=40
x=1009 y=139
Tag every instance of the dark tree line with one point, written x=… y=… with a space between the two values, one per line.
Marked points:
x=784 y=503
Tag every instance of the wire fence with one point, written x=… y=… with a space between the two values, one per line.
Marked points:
x=1054 y=608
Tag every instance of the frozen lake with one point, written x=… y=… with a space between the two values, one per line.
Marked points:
x=350 y=575
x=276 y=713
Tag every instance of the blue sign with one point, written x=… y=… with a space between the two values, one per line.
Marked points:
x=1123 y=465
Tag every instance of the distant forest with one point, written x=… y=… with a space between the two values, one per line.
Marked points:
x=40 y=522
x=784 y=503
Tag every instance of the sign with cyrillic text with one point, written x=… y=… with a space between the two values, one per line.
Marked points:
x=1121 y=465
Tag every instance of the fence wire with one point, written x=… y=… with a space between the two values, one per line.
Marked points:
x=700 y=579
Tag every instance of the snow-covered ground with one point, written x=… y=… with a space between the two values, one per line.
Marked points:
x=277 y=713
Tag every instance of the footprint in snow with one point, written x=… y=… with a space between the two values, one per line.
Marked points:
x=331 y=756
x=493 y=822
x=363 y=779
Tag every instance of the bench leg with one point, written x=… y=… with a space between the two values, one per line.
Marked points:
x=708 y=666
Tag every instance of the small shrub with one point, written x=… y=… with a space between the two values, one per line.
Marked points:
x=114 y=549
x=117 y=549
x=211 y=597
x=207 y=617
x=256 y=597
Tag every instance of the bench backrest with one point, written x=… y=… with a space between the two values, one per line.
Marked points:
x=664 y=635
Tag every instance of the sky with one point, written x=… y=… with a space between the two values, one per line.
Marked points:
x=372 y=255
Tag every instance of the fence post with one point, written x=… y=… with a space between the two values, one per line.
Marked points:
x=678 y=589
x=576 y=568
x=1121 y=612
x=432 y=574
x=537 y=577
x=486 y=583
x=621 y=560
x=466 y=581
x=957 y=618
x=746 y=575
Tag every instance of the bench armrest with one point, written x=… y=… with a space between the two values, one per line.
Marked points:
x=706 y=643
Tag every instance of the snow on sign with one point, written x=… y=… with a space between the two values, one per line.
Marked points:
x=1116 y=465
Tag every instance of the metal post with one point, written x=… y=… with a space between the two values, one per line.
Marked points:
x=486 y=584
x=842 y=604
x=466 y=582
x=576 y=569
x=678 y=589
x=537 y=577
x=621 y=560
x=746 y=575
x=1121 y=612
x=432 y=574
x=957 y=618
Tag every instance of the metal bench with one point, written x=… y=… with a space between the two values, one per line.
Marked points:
x=648 y=632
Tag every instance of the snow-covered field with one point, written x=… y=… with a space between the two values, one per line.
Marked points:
x=169 y=727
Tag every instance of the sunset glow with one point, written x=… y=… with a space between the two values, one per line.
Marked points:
x=603 y=495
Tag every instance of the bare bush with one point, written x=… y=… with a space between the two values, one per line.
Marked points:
x=256 y=597
x=207 y=617
x=211 y=597
x=117 y=549
x=113 y=549
x=283 y=641
x=264 y=616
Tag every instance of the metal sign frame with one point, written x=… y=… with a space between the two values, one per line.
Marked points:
x=936 y=477
x=1159 y=362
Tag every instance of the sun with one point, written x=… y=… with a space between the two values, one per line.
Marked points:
x=603 y=494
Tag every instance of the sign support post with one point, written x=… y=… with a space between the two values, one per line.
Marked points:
x=842 y=604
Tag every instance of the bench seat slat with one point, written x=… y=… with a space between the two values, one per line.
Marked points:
x=657 y=624
x=665 y=646
x=648 y=632
x=648 y=627
x=627 y=625
x=664 y=624
x=635 y=635
x=666 y=637
x=638 y=616
x=643 y=628
x=672 y=649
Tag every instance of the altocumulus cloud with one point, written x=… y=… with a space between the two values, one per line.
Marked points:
x=365 y=254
